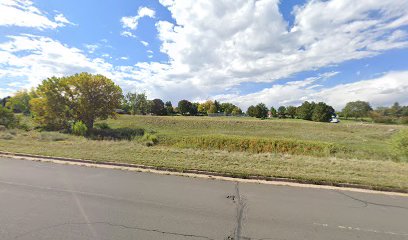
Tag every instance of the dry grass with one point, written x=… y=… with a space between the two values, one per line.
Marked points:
x=217 y=133
x=359 y=140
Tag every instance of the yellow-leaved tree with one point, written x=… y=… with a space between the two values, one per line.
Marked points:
x=81 y=97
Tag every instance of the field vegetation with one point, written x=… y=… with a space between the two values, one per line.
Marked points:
x=77 y=116
x=348 y=152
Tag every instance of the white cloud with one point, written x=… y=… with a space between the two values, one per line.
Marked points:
x=127 y=34
x=23 y=13
x=131 y=22
x=29 y=59
x=144 y=43
x=381 y=91
x=146 y=12
x=61 y=19
x=214 y=47
x=257 y=45
x=91 y=47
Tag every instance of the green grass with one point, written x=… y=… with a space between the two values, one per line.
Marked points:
x=348 y=152
x=360 y=140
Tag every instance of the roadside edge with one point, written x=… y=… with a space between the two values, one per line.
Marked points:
x=210 y=175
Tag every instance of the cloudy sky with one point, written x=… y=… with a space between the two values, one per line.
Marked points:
x=242 y=51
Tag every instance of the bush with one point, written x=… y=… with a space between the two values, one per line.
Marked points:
x=403 y=120
x=399 y=144
x=7 y=118
x=52 y=136
x=150 y=139
x=378 y=118
x=102 y=126
x=261 y=145
x=79 y=129
x=6 y=136
x=115 y=134
x=2 y=128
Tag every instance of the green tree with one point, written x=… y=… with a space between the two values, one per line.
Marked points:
x=404 y=111
x=282 y=112
x=213 y=109
x=291 y=111
x=274 y=113
x=157 y=107
x=194 y=109
x=7 y=118
x=3 y=101
x=20 y=102
x=80 y=97
x=322 y=112
x=251 y=111
x=169 y=108
x=137 y=103
x=305 y=111
x=184 y=107
x=396 y=110
x=227 y=108
x=357 y=109
x=217 y=104
x=236 y=111
x=261 y=111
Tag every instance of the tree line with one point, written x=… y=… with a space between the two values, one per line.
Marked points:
x=60 y=102
x=137 y=103
x=311 y=111
x=362 y=110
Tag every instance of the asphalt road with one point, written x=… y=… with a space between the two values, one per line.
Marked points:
x=53 y=201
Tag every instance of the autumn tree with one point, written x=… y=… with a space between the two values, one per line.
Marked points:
x=80 y=97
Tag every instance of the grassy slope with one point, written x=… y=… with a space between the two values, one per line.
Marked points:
x=373 y=138
x=368 y=141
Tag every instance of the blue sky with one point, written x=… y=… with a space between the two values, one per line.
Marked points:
x=242 y=51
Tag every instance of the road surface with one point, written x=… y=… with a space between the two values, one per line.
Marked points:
x=54 y=201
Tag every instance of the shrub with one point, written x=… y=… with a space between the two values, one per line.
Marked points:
x=2 y=128
x=6 y=136
x=79 y=129
x=102 y=126
x=52 y=136
x=115 y=134
x=7 y=118
x=399 y=143
x=150 y=139
x=403 y=120
x=378 y=118
x=261 y=145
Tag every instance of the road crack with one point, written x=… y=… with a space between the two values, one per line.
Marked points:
x=366 y=203
x=240 y=203
x=114 y=225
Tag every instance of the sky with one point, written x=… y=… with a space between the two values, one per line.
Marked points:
x=239 y=51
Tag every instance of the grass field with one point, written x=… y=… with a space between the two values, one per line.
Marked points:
x=348 y=152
